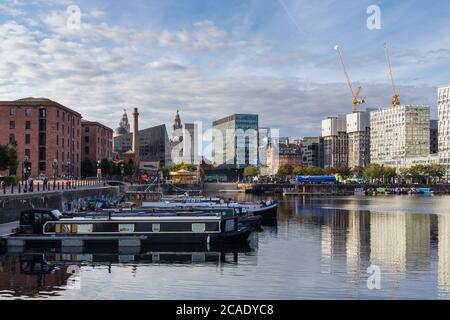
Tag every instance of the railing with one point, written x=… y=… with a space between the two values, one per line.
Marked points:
x=25 y=187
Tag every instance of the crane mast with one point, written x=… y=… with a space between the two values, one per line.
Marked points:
x=356 y=100
x=395 y=93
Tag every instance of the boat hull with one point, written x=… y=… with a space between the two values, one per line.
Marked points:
x=268 y=214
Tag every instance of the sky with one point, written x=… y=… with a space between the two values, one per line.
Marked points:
x=211 y=58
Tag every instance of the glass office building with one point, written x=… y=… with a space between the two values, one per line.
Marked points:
x=235 y=141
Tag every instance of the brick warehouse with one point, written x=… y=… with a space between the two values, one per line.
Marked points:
x=97 y=141
x=46 y=132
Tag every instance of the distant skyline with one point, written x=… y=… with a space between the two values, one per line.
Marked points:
x=210 y=59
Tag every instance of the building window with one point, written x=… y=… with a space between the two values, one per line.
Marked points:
x=42 y=113
x=27 y=125
x=12 y=111
x=12 y=125
x=28 y=153
x=27 y=112
x=27 y=139
x=12 y=139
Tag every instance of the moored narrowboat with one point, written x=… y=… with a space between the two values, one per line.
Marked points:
x=41 y=225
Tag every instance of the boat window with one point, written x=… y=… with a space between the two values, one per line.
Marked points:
x=66 y=228
x=37 y=217
x=230 y=225
x=156 y=227
x=126 y=228
x=27 y=218
x=85 y=228
x=47 y=217
x=198 y=227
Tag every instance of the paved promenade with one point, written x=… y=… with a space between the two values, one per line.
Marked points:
x=6 y=228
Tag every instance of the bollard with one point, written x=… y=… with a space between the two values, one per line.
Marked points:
x=4 y=188
x=12 y=189
x=54 y=185
x=38 y=186
x=58 y=185
x=19 y=187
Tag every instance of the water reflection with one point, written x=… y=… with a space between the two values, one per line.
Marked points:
x=320 y=248
x=46 y=272
x=444 y=256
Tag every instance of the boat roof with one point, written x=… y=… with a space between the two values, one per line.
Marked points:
x=140 y=218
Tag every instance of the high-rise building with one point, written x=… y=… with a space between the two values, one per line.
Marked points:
x=97 y=141
x=312 y=151
x=434 y=137
x=335 y=140
x=48 y=136
x=358 y=130
x=399 y=133
x=235 y=141
x=444 y=126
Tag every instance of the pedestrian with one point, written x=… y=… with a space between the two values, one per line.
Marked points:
x=45 y=183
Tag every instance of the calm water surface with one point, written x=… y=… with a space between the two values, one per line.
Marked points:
x=321 y=248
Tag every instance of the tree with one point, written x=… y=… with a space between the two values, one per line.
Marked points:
x=344 y=171
x=299 y=171
x=330 y=171
x=88 y=168
x=389 y=173
x=251 y=171
x=358 y=171
x=373 y=171
x=107 y=167
x=130 y=167
x=8 y=157
x=284 y=171
x=313 y=171
x=436 y=171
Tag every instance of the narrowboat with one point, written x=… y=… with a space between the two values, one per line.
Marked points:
x=267 y=210
x=41 y=225
x=360 y=191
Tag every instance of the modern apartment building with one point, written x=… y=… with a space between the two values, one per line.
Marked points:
x=358 y=130
x=399 y=133
x=235 y=141
x=312 y=151
x=97 y=141
x=335 y=141
x=444 y=126
x=48 y=136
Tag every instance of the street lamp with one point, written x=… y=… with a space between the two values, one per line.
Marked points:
x=26 y=170
x=99 y=170
x=55 y=168
x=122 y=169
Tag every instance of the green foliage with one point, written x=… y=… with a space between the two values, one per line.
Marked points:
x=308 y=171
x=88 y=168
x=251 y=171
x=284 y=171
x=373 y=171
x=344 y=171
x=9 y=180
x=420 y=172
x=8 y=157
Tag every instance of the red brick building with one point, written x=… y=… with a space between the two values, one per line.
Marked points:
x=97 y=142
x=46 y=132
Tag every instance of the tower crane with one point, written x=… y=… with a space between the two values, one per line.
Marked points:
x=395 y=94
x=356 y=100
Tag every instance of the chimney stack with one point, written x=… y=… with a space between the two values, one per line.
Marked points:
x=135 y=146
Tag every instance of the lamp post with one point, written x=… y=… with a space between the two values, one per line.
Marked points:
x=122 y=169
x=26 y=171
x=55 y=168
x=99 y=170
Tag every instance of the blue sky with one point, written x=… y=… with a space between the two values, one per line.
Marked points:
x=213 y=58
